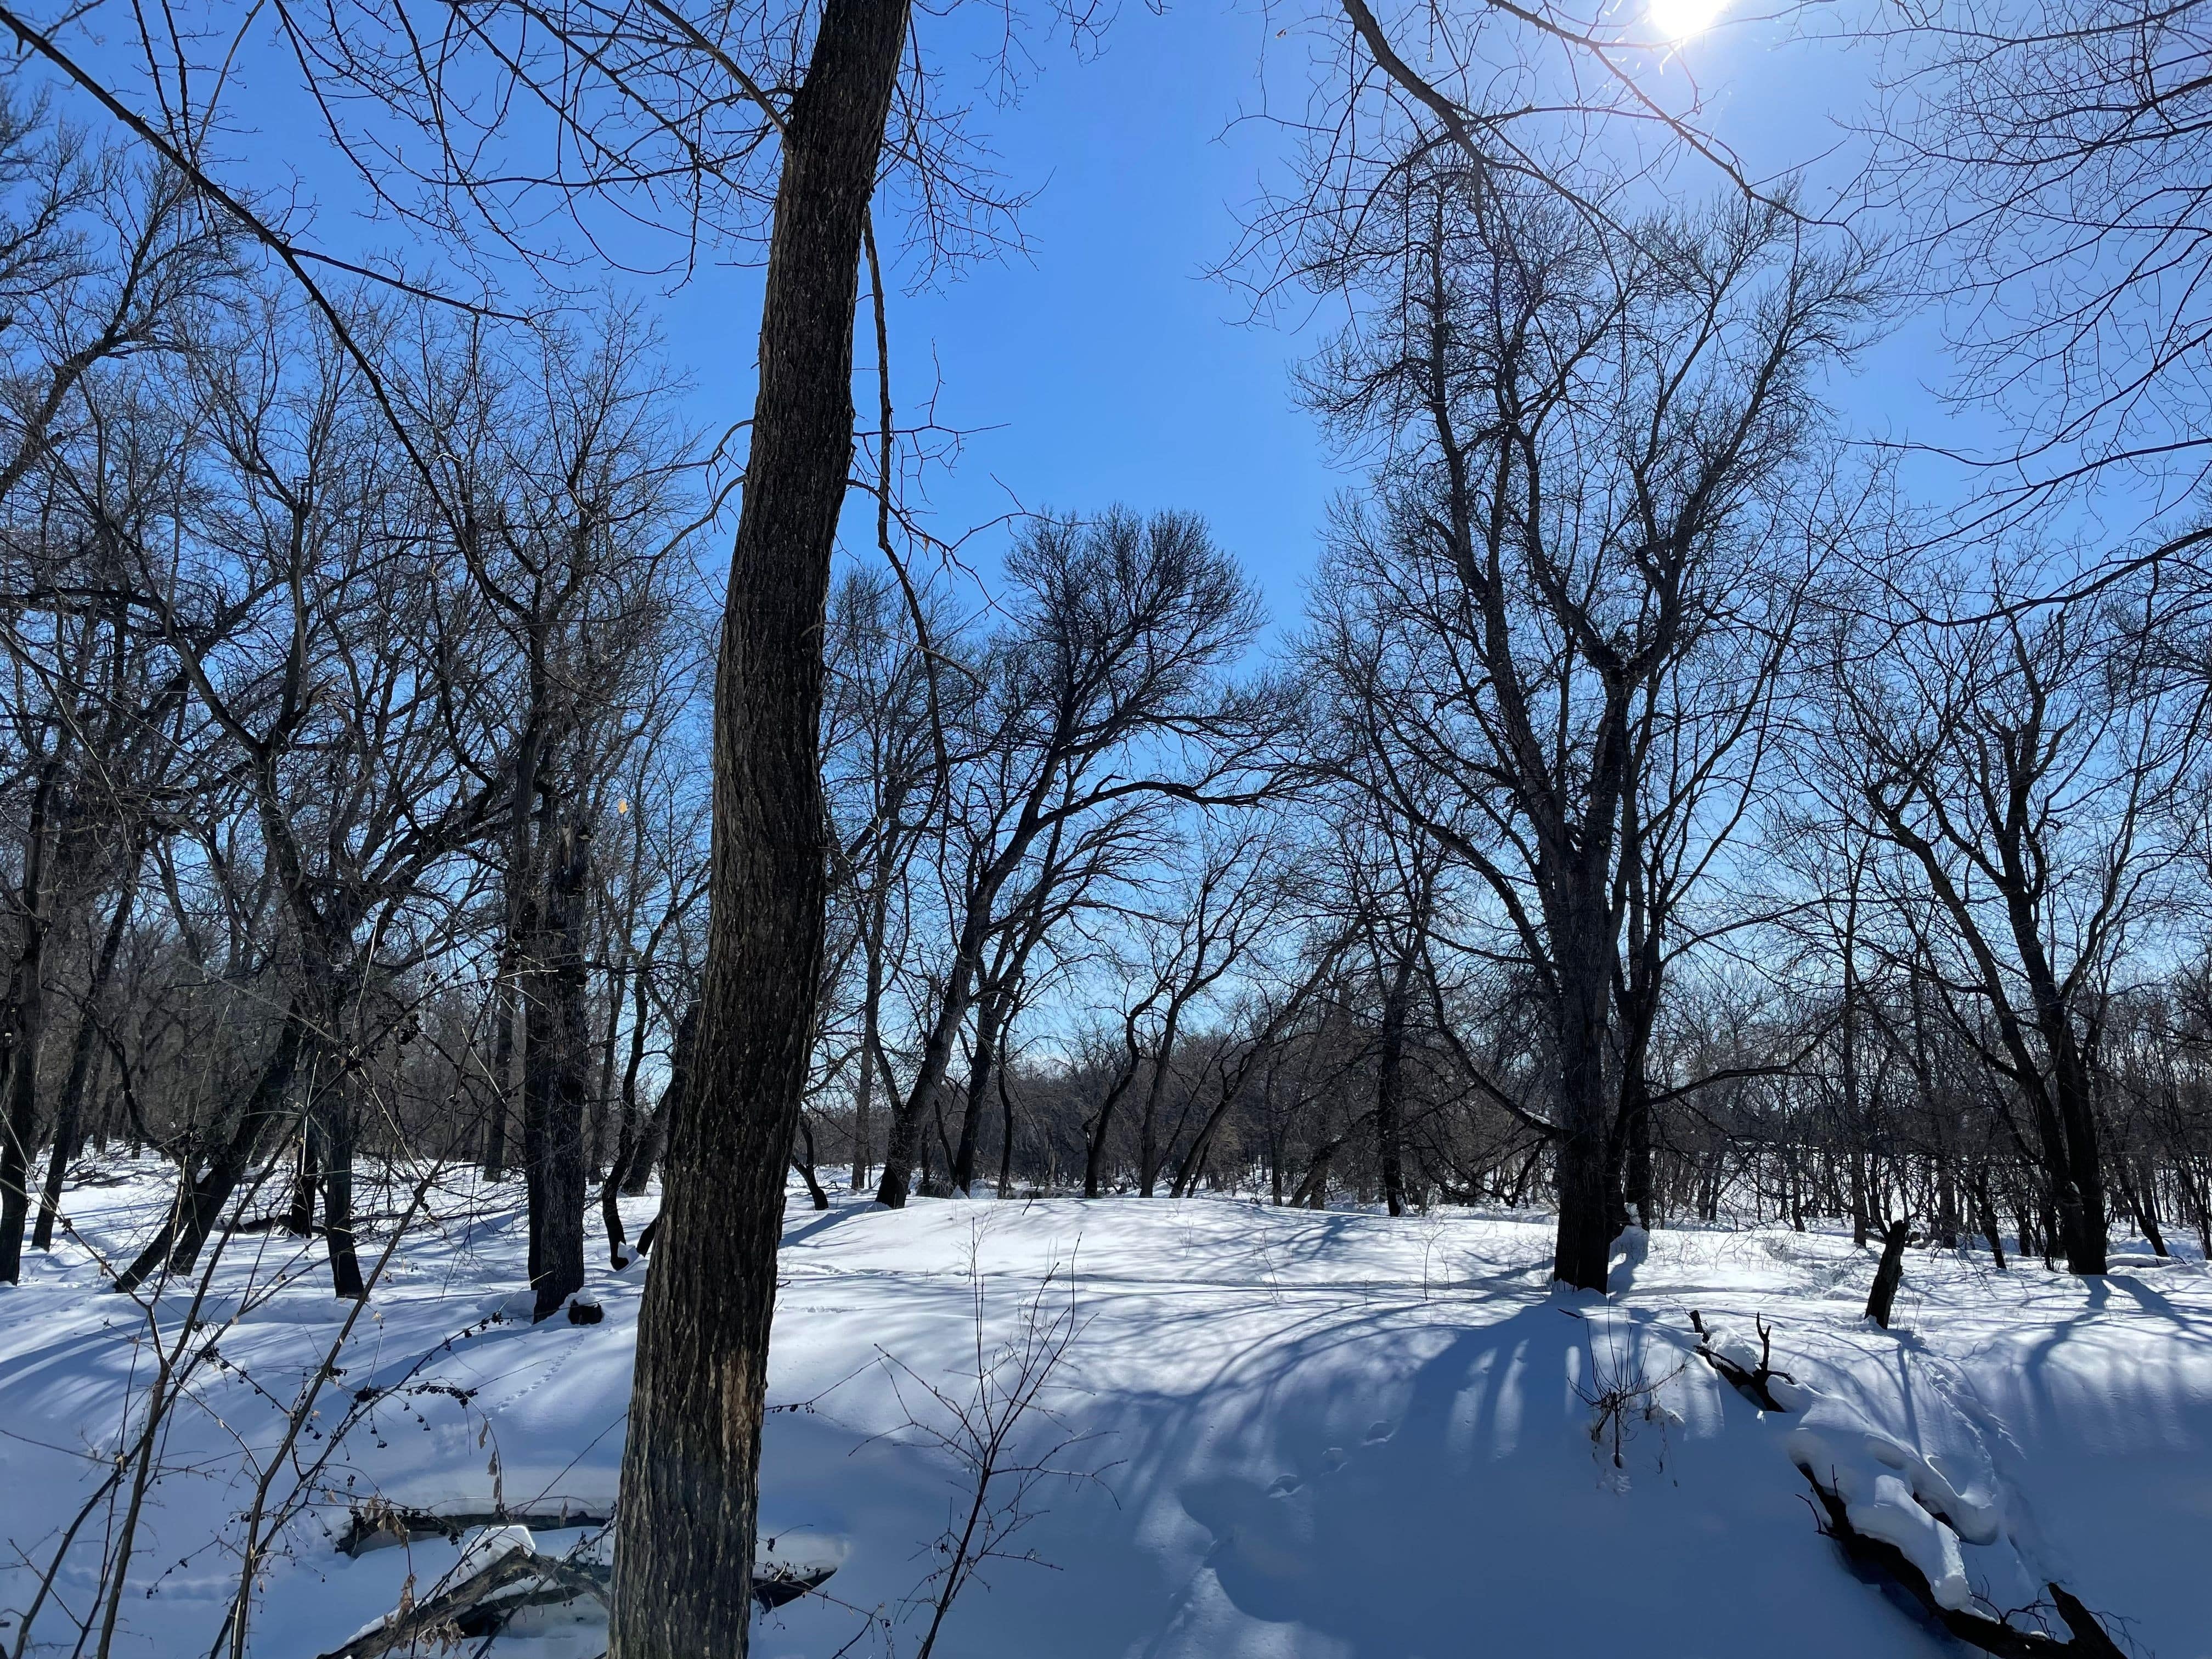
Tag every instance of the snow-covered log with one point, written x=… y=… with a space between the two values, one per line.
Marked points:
x=1865 y=1544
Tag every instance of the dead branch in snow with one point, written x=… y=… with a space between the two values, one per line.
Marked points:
x=377 y=1524
x=1751 y=1384
x=1989 y=1635
x=480 y=1604
x=447 y=1614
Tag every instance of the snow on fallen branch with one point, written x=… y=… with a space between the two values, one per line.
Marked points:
x=374 y=1524
x=1975 y=1629
x=1893 y=1509
x=497 y=1576
x=1753 y=1374
x=502 y=1572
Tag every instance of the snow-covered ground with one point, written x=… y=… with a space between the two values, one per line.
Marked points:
x=1269 y=1433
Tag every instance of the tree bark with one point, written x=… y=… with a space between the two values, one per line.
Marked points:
x=25 y=1018
x=307 y=1178
x=1888 y=1275
x=502 y=1069
x=1390 y=1083
x=990 y=1022
x=334 y=1112
x=1583 y=1250
x=554 y=1082
x=684 y=1541
x=865 y=1096
x=68 y=1115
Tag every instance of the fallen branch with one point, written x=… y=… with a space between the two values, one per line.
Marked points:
x=443 y=1614
x=1750 y=1382
x=1989 y=1635
x=376 y=1524
x=481 y=1604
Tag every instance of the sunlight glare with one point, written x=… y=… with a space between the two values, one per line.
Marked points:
x=1678 y=20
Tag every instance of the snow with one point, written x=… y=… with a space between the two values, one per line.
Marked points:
x=1272 y=1435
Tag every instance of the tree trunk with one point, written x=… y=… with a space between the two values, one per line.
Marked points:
x=1389 y=1089
x=1888 y=1275
x=68 y=1117
x=558 y=1034
x=335 y=1111
x=989 y=1019
x=199 y=1201
x=502 y=1068
x=1005 y=1137
x=684 y=1538
x=803 y=1160
x=1150 y=1154
x=865 y=1096
x=1583 y=1248
x=905 y=1142
x=1986 y=1218
x=306 y=1177
x=22 y=1024
x=652 y=1138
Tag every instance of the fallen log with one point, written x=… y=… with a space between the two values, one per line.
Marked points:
x=375 y=1524
x=1750 y=1381
x=439 y=1617
x=1992 y=1636
x=481 y=1603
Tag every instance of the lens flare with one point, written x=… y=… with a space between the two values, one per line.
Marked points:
x=1678 y=20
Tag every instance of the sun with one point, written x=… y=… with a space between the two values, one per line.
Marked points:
x=1678 y=20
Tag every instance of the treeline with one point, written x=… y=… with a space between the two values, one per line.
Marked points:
x=1639 y=823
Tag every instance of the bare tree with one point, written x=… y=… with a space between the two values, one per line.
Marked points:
x=2021 y=773
x=1588 y=447
x=1106 y=695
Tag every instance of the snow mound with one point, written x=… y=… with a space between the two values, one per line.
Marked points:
x=1833 y=1438
x=1890 y=1514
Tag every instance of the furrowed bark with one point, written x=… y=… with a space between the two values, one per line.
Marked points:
x=688 y=1504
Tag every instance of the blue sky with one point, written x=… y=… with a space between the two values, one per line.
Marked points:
x=1107 y=366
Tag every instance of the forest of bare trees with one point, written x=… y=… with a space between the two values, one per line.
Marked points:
x=1652 y=815
x=1628 y=826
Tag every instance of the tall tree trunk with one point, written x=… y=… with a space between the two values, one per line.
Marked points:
x=1005 y=1137
x=68 y=1117
x=653 y=1136
x=307 y=1179
x=1150 y=1153
x=335 y=1112
x=1985 y=1217
x=627 y=1135
x=558 y=1036
x=2079 y=1179
x=989 y=1019
x=905 y=1142
x=603 y=1097
x=504 y=1014
x=1583 y=1247
x=864 y=1095
x=22 y=1024
x=1391 y=1085
x=684 y=1541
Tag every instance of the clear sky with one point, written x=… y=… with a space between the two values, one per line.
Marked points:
x=1107 y=365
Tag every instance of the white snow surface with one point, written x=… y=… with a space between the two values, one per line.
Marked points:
x=1283 y=1435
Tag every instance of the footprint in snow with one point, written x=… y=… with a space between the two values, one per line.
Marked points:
x=1334 y=1459
x=1285 y=1485
x=1377 y=1432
